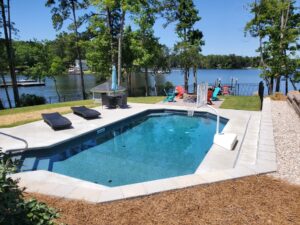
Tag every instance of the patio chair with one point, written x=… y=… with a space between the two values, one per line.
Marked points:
x=209 y=96
x=170 y=96
x=56 y=121
x=122 y=101
x=85 y=112
x=109 y=101
x=225 y=90
x=215 y=94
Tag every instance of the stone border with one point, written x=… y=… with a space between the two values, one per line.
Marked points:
x=219 y=165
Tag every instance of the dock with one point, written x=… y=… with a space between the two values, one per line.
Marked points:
x=24 y=84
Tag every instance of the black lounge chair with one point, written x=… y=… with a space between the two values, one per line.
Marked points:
x=56 y=121
x=85 y=112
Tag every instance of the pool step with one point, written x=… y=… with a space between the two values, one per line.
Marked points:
x=43 y=164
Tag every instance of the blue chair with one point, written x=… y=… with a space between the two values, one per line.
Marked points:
x=215 y=94
x=170 y=96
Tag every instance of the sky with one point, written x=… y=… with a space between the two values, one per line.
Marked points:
x=222 y=24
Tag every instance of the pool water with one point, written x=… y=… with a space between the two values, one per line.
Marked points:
x=151 y=146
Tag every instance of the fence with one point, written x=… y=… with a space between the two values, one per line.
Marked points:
x=237 y=89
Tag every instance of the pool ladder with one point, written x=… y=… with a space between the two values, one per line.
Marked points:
x=17 y=138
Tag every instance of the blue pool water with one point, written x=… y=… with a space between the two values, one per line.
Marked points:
x=151 y=146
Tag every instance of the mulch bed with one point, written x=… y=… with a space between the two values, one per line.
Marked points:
x=251 y=200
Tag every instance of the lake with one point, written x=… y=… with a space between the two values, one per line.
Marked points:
x=69 y=86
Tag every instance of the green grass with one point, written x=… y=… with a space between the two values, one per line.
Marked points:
x=89 y=103
x=148 y=100
x=251 y=103
x=35 y=109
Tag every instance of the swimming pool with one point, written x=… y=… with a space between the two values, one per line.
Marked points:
x=148 y=146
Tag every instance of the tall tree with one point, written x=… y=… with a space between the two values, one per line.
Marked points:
x=63 y=10
x=113 y=14
x=9 y=51
x=186 y=15
x=3 y=68
x=277 y=25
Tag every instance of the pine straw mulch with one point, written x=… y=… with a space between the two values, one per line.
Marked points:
x=251 y=200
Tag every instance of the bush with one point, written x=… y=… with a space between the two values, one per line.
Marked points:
x=168 y=86
x=29 y=100
x=14 y=209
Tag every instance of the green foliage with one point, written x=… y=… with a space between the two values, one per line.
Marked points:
x=57 y=67
x=188 y=49
x=29 y=100
x=168 y=86
x=13 y=208
x=277 y=25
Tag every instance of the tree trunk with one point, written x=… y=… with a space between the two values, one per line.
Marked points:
x=293 y=84
x=78 y=49
x=146 y=82
x=56 y=89
x=286 y=84
x=120 y=48
x=271 y=86
x=195 y=78
x=277 y=89
x=6 y=91
x=8 y=45
x=186 y=79
x=128 y=77
x=110 y=26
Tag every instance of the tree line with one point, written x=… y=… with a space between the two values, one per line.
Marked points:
x=231 y=61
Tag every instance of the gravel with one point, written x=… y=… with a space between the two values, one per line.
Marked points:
x=286 y=126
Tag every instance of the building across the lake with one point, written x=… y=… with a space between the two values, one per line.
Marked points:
x=76 y=69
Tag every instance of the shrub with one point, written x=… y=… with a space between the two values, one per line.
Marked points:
x=14 y=209
x=168 y=86
x=29 y=100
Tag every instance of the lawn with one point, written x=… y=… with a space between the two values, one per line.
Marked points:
x=148 y=100
x=251 y=103
x=19 y=116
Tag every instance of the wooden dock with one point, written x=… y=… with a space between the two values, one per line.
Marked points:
x=24 y=84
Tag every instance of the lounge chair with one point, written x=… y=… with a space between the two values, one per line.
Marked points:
x=56 y=121
x=85 y=112
x=215 y=94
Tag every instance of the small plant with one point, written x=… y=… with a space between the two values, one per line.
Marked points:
x=29 y=100
x=14 y=209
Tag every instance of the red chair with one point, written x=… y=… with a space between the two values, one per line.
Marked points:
x=179 y=91
x=209 y=96
x=225 y=90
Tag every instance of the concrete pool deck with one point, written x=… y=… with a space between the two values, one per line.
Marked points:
x=253 y=154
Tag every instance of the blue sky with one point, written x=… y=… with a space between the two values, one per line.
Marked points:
x=222 y=24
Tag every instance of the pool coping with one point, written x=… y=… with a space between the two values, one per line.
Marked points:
x=218 y=165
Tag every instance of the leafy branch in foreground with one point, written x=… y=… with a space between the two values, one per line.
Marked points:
x=14 y=209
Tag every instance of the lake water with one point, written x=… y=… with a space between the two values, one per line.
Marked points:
x=69 y=86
